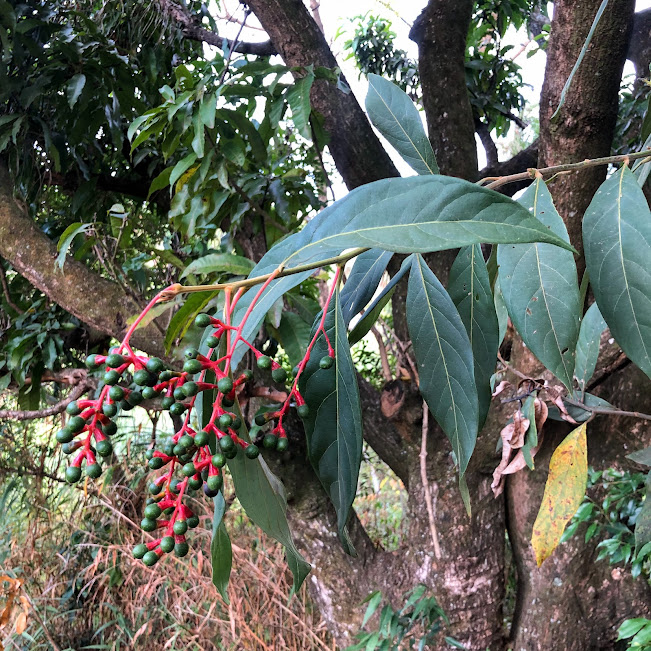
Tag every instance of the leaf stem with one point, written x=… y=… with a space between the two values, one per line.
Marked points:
x=606 y=410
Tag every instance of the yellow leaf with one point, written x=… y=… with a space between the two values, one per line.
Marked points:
x=185 y=177
x=21 y=623
x=564 y=491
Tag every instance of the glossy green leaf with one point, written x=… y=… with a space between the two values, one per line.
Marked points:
x=617 y=247
x=66 y=239
x=469 y=288
x=363 y=281
x=181 y=167
x=444 y=358
x=333 y=427
x=643 y=457
x=221 y=551
x=229 y=263
x=185 y=316
x=531 y=435
x=294 y=336
x=298 y=98
x=396 y=117
x=74 y=88
x=643 y=522
x=541 y=291
x=587 y=346
x=404 y=215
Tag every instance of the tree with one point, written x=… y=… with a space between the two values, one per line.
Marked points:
x=99 y=157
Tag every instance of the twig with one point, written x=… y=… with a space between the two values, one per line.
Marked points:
x=426 y=490
x=5 y=290
x=256 y=207
x=531 y=173
x=247 y=12
x=384 y=359
x=508 y=367
x=39 y=619
x=607 y=410
x=17 y=414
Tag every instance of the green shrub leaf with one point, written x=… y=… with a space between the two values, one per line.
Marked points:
x=587 y=346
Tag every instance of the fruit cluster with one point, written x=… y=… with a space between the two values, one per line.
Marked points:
x=194 y=457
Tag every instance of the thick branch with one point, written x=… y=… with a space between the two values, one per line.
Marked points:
x=524 y=160
x=16 y=414
x=639 y=48
x=358 y=154
x=100 y=303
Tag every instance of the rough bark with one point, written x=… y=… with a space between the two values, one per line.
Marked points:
x=639 y=49
x=358 y=153
x=100 y=303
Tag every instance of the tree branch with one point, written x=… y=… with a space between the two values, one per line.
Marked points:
x=17 y=414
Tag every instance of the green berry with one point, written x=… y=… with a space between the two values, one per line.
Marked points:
x=148 y=524
x=139 y=551
x=150 y=558
x=218 y=460
x=152 y=511
x=191 y=353
x=155 y=365
x=109 y=410
x=177 y=409
x=167 y=402
x=247 y=374
x=260 y=420
x=168 y=448
x=215 y=482
x=195 y=484
x=165 y=376
x=148 y=393
x=76 y=424
x=178 y=394
x=111 y=378
x=186 y=441
x=73 y=474
x=190 y=389
x=264 y=362
x=181 y=549
x=252 y=451
x=115 y=360
x=225 y=421
x=73 y=408
x=188 y=469
x=178 y=450
x=116 y=393
x=303 y=411
x=193 y=521
x=270 y=441
x=231 y=454
x=202 y=320
x=192 y=366
x=225 y=385
x=155 y=463
x=326 y=362
x=135 y=398
x=104 y=448
x=180 y=527
x=167 y=543
x=226 y=443
x=174 y=486
x=68 y=448
x=110 y=428
x=94 y=470
x=125 y=406
x=65 y=435
x=91 y=362
x=227 y=403
x=212 y=342
x=201 y=438
x=154 y=488
x=282 y=444
x=149 y=454
x=141 y=377
x=279 y=375
x=237 y=423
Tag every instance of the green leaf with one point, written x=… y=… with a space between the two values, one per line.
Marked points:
x=221 y=551
x=160 y=182
x=298 y=98
x=643 y=457
x=587 y=346
x=183 y=319
x=181 y=167
x=66 y=239
x=643 y=522
x=584 y=49
x=363 y=281
x=630 y=627
x=74 y=88
x=236 y=265
x=444 y=358
x=617 y=246
x=374 y=600
x=531 y=435
x=469 y=288
x=541 y=291
x=394 y=115
x=404 y=215
x=207 y=110
x=333 y=427
x=294 y=336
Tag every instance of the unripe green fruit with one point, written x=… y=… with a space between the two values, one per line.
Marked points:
x=225 y=421
x=247 y=374
x=178 y=394
x=125 y=406
x=180 y=527
x=154 y=488
x=73 y=474
x=190 y=389
x=64 y=435
x=155 y=463
x=155 y=365
x=166 y=375
x=303 y=411
x=152 y=511
x=184 y=458
x=264 y=362
x=260 y=420
x=116 y=393
x=149 y=454
x=194 y=483
x=212 y=342
x=148 y=393
x=201 y=438
x=150 y=558
x=91 y=362
x=227 y=403
x=181 y=549
x=141 y=377
x=139 y=551
x=218 y=460
x=115 y=360
x=110 y=428
x=326 y=362
x=186 y=441
x=237 y=423
x=168 y=448
x=177 y=409
x=104 y=448
x=192 y=366
x=226 y=443
x=68 y=448
x=76 y=424
x=202 y=320
x=174 y=486
x=167 y=402
x=167 y=543
x=252 y=451
x=178 y=450
x=193 y=521
x=94 y=470
x=135 y=398
x=215 y=482
x=225 y=385
x=188 y=469
x=111 y=378
x=270 y=441
x=279 y=375
x=109 y=410
x=191 y=353
x=73 y=408
x=148 y=524
x=282 y=444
